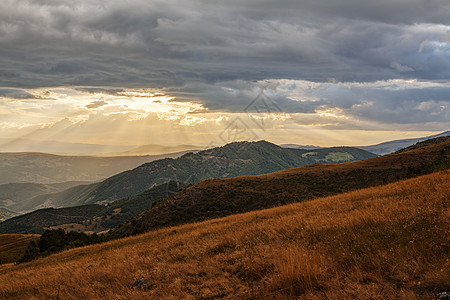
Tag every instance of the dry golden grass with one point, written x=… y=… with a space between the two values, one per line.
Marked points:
x=388 y=242
x=13 y=246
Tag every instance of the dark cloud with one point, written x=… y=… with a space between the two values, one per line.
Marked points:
x=385 y=102
x=158 y=43
x=15 y=94
x=394 y=106
x=215 y=52
x=96 y=90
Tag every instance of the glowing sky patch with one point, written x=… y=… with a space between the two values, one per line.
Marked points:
x=288 y=109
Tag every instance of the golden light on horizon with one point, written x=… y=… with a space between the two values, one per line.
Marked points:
x=148 y=116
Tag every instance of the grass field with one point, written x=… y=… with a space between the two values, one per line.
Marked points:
x=13 y=246
x=337 y=157
x=388 y=242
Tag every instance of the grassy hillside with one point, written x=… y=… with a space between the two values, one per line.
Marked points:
x=214 y=198
x=49 y=168
x=6 y=214
x=13 y=246
x=231 y=160
x=428 y=142
x=388 y=242
x=89 y=218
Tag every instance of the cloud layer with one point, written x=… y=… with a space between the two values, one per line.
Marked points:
x=168 y=43
x=337 y=64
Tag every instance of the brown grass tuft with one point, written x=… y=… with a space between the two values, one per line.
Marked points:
x=298 y=271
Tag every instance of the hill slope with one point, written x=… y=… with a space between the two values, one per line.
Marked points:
x=381 y=148
x=6 y=214
x=49 y=168
x=214 y=198
x=89 y=218
x=34 y=222
x=17 y=196
x=13 y=246
x=231 y=160
x=392 y=146
x=388 y=242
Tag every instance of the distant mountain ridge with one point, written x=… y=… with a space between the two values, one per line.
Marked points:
x=57 y=147
x=306 y=147
x=6 y=214
x=381 y=148
x=49 y=168
x=235 y=159
x=158 y=150
x=424 y=143
x=395 y=145
x=17 y=196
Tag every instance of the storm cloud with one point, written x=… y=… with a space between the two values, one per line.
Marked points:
x=221 y=54
x=165 y=43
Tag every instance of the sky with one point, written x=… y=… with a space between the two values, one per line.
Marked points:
x=310 y=72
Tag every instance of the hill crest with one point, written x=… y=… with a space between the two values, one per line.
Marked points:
x=214 y=198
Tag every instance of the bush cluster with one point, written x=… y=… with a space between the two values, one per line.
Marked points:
x=56 y=240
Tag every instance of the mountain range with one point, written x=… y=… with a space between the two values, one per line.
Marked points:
x=46 y=168
x=58 y=147
x=84 y=149
x=157 y=150
x=381 y=148
x=219 y=197
x=214 y=198
x=232 y=160
x=235 y=159
x=379 y=223
x=392 y=146
x=243 y=158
